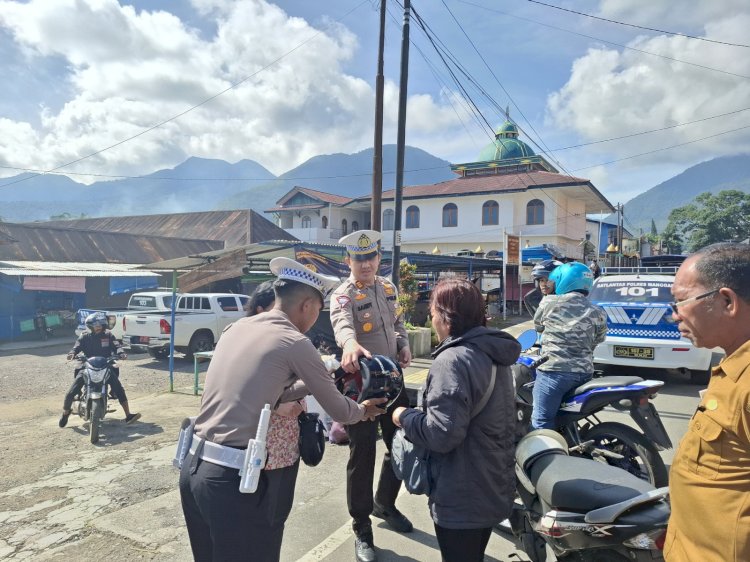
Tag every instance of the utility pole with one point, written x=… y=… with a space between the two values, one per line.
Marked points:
x=400 y=145
x=377 y=153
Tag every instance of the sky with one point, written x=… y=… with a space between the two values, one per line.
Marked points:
x=125 y=88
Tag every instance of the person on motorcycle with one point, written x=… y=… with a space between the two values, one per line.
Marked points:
x=98 y=342
x=571 y=328
x=540 y=273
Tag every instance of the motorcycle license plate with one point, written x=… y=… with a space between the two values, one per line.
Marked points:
x=630 y=352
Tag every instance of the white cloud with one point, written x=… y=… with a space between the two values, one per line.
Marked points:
x=611 y=93
x=129 y=69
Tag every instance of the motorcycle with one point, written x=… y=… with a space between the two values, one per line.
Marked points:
x=92 y=401
x=614 y=443
x=41 y=327
x=583 y=509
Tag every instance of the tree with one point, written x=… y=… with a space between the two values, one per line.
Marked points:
x=408 y=288
x=654 y=232
x=711 y=218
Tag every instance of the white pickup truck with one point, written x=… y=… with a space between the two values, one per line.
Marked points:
x=199 y=320
x=139 y=302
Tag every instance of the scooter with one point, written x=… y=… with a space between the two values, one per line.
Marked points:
x=41 y=327
x=92 y=402
x=615 y=443
x=583 y=509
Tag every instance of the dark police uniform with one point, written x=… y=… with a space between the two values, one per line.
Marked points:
x=91 y=344
x=372 y=317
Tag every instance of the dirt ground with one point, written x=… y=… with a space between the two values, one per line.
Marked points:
x=56 y=489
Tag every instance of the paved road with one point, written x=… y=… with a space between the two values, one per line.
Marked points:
x=62 y=498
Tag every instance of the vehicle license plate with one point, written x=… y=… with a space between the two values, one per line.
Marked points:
x=629 y=352
x=144 y=339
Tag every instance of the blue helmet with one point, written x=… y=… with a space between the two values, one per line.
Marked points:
x=573 y=276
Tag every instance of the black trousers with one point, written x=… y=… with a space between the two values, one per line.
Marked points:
x=75 y=388
x=360 y=470
x=225 y=525
x=462 y=545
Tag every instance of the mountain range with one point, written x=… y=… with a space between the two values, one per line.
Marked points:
x=200 y=184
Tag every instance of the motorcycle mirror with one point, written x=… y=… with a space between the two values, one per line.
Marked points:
x=527 y=339
x=532 y=299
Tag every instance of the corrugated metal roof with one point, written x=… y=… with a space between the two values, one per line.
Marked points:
x=72 y=269
x=42 y=242
x=234 y=228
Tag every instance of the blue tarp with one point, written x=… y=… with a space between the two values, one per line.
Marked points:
x=121 y=285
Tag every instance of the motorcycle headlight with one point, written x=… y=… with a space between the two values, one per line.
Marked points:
x=97 y=376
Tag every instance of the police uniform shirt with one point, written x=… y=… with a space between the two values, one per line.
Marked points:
x=710 y=476
x=257 y=361
x=369 y=315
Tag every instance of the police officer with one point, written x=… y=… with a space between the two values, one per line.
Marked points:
x=97 y=342
x=263 y=359
x=367 y=320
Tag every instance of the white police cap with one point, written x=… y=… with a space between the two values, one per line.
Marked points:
x=286 y=268
x=362 y=244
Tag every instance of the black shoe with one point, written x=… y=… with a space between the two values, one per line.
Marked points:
x=63 y=420
x=364 y=548
x=130 y=418
x=395 y=519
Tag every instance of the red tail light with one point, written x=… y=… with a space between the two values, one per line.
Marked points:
x=660 y=540
x=165 y=327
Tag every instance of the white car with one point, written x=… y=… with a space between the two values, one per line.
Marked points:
x=640 y=329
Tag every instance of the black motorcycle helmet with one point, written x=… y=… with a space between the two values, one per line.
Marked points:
x=379 y=377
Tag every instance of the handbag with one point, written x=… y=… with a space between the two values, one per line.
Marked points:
x=312 y=438
x=412 y=463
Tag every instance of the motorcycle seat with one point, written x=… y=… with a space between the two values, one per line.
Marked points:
x=605 y=382
x=581 y=485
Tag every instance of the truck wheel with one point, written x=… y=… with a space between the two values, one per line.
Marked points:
x=700 y=377
x=201 y=341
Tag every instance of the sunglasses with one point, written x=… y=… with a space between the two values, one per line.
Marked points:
x=674 y=305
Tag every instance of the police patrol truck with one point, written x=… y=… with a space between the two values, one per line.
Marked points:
x=640 y=329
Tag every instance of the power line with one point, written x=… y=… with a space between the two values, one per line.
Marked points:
x=649 y=131
x=205 y=101
x=642 y=51
x=663 y=149
x=638 y=26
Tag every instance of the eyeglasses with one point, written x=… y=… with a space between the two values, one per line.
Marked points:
x=674 y=305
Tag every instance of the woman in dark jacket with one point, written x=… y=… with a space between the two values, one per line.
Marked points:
x=472 y=457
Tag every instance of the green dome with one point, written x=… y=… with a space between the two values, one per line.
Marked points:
x=506 y=145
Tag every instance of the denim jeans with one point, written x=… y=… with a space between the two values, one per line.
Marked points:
x=549 y=389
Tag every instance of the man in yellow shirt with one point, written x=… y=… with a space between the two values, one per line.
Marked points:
x=710 y=474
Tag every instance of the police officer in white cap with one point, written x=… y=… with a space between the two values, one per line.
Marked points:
x=263 y=359
x=367 y=319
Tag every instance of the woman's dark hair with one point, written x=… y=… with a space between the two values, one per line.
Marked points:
x=263 y=296
x=460 y=305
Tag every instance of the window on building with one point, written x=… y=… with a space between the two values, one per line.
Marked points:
x=388 y=219
x=355 y=226
x=343 y=227
x=306 y=222
x=450 y=215
x=490 y=213
x=324 y=221
x=412 y=217
x=535 y=212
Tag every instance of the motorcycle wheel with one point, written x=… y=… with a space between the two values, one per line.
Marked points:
x=97 y=413
x=641 y=458
x=533 y=545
